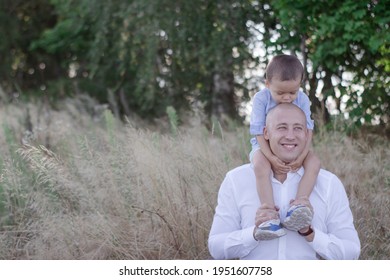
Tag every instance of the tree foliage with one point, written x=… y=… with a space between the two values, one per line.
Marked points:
x=346 y=45
x=152 y=54
x=144 y=56
x=22 y=22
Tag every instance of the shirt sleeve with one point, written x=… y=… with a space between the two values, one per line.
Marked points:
x=258 y=114
x=341 y=241
x=227 y=240
x=304 y=104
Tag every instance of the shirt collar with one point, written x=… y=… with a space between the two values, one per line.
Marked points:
x=300 y=172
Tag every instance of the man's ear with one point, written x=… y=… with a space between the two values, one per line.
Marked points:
x=265 y=133
x=266 y=83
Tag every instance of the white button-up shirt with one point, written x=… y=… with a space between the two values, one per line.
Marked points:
x=231 y=234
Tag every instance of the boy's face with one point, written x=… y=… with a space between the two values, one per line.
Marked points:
x=283 y=91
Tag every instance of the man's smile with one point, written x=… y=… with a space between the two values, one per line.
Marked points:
x=289 y=146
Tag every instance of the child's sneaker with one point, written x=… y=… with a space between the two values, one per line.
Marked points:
x=269 y=230
x=298 y=217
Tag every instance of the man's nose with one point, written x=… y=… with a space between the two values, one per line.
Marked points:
x=290 y=133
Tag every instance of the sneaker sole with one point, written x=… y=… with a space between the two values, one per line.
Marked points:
x=268 y=235
x=299 y=219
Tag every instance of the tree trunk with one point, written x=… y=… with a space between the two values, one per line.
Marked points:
x=327 y=90
x=317 y=106
x=124 y=103
x=223 y=102
x=304 y=54
x=113 y=103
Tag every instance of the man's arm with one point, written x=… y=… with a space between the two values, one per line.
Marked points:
x=340 y=241
x=227 y=240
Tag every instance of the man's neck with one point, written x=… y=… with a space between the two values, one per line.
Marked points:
x=281 y=177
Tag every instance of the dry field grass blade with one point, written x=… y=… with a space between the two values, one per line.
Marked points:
x=105 y=190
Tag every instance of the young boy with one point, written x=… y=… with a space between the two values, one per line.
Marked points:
x=284 y=74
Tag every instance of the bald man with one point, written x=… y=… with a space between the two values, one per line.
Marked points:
x=331 y=235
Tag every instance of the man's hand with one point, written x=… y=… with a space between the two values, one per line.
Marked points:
x=266 y=213
x=303 y=200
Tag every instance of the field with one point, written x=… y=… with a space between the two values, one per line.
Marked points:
x=78 y=184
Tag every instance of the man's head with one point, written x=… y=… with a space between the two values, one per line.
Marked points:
x=286 y=131
x=284 y=74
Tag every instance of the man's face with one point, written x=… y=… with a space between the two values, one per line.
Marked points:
x=283 y=91
x=287 y=133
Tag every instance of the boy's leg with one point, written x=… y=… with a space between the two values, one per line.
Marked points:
x=262 y=168
x=299 y=216
x=270 y=229
x=312 y=167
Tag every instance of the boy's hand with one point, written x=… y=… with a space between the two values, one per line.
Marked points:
x=296 y=164
x=279 y=166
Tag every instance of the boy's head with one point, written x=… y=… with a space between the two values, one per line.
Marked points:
x=284 y=74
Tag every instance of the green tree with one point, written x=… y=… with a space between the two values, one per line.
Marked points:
x=152 y=54
x=22 y=22
x=346 y=47
x=143 y=56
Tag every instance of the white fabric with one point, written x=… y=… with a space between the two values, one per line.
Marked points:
x=231 y=234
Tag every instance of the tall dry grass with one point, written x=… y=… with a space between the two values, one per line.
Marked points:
x=363 y=165
x=78 y=187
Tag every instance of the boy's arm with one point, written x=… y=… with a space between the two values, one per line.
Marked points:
x=296 y=164
x=308 y=145
x=278 y=166
x=264 y=147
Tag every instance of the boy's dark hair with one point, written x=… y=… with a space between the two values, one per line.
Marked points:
x=285 y=68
